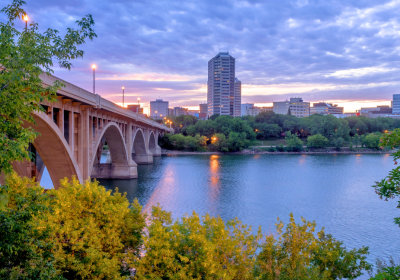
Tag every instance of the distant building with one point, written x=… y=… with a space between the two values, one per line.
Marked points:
x=345 y=115
x=170 y=111
x=325 y=109
x=254 y=111
x=396 y=104
x=179 y=111
x=221 y=93
x=238 y=98
x=194 y=113
x=158 y=108
x=375 y=112
x=135 y=107
x=297 y=107
x=203 y=108
x=244 y=108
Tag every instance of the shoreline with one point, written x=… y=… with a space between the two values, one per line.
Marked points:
x=258 y=152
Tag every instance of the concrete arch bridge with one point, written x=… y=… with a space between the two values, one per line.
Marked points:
x=75 y=129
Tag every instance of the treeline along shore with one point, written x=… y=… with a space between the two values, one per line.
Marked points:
x=275 y=133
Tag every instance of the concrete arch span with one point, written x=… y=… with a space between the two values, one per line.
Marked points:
x=153 y=145
x=121 y=166
x=54 y=151
x=140 y=150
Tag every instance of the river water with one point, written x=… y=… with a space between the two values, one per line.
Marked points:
x=333 y=190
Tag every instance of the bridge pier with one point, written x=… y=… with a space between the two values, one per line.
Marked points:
x=114 y=171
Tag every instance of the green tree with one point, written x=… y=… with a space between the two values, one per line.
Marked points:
x=389 y=187
x=293 y=142
x=25 y=251
x=24 y=57
x=338 y=143
x=317 y=141
x=220 y=143
x=372 y=141
x=197 y=248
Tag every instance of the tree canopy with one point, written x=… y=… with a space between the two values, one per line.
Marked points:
x=25 y=55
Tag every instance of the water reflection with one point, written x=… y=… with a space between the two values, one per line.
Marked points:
x=214 y=188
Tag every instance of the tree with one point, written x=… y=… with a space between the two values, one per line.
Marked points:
x=289 y=113
x=299 y=254
x=96 y=234
x=24 y=57
x=25 y=251
x=389 y=187
x=338 y=143
x=293 y=142
x=220 y=143
x=317 y=141
x=372 y=141
x=197 y=248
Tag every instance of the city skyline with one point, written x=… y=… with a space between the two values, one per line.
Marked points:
x=342 y=53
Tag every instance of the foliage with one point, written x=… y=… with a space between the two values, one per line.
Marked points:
x=338 y=143
x=389 y=187
x=24 y=57
x=25 y=251
x=372 y=141
x=386 y=271
x=298 y=254
x=197 y=248
x=96 y=235
x=317 y=141
x=293 y=142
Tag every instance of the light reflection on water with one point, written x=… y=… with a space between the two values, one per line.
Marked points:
x=335 y=191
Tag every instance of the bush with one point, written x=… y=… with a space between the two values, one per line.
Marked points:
x=280 y=148
x=25 y=251
x=317 y=141
x=338 y=143
x=197 y=248
x=271 y=149
x=298 y=254
x=96 y=234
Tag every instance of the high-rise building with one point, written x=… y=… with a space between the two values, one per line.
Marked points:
x=158 y=108
x=203 y=108
x=221 y=93
x=179 y=111
x=296 y=106
x=396 y=104
x=237 y=108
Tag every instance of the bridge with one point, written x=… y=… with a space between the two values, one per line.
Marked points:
x=74 y=130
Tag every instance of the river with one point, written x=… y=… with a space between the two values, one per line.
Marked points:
x=333 y=190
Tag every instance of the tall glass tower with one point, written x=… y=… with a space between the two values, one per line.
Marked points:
x=221 y=86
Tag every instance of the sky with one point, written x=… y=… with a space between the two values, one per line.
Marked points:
x=341 y=51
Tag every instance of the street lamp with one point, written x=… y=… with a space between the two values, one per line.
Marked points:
x=156 y=115
x=26 y=22
x=94 y=78
x=123 y=96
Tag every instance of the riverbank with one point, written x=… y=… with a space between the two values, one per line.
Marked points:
x=330 y=151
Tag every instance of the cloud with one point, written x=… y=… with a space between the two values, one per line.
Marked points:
x=344 y=49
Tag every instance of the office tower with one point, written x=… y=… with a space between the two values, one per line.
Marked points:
x=221 y=86
x=238 y=98
x=396 y=104
x=158 y=108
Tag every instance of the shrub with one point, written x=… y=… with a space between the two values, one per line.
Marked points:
x=338 y=143
x=197 y=248
x=96 y=234
x=298 y=254
x=25 y=251
x=271 y=149
x=317 y=141
x=280 y=148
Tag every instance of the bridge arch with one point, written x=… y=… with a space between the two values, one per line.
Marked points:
x=117 y=148
x=140 y=151
x=54 y=150
x=152 y=143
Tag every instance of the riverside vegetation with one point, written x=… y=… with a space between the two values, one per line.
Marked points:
x=227 y=134
x=83 y=231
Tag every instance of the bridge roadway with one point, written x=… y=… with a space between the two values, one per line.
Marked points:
x=74 y=130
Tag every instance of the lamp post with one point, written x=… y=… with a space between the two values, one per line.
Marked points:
x=123 y=96
x=156 y=115
x=94 y=78
x=26 y=22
